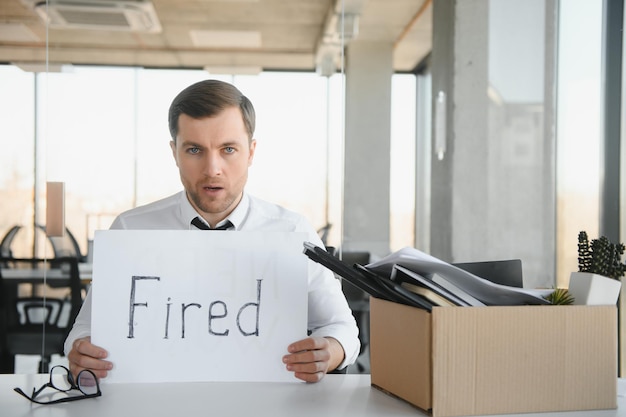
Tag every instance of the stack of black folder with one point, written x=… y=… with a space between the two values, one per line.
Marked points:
x=372 y=283
x=439 y=284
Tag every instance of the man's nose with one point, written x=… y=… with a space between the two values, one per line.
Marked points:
x=212 y=164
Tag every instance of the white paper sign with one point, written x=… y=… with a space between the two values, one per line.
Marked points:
x=198 y=306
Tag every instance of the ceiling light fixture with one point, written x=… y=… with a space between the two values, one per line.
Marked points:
x=122 y=15
x=341 y=27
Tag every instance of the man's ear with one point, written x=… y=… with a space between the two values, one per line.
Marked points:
x=252 y=149
x=174 y=154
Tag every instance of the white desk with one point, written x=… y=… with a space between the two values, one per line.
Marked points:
x=36 y=276
x=336 y=395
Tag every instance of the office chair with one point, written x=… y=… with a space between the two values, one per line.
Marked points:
x=505 y=272
x=324 y=231
x=27 y=337
x=359 y=302
x=24 y=319
x=7 y=240
x=65 y=245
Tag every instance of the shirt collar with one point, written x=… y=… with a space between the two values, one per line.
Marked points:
x=239 y=213
x=188 y=213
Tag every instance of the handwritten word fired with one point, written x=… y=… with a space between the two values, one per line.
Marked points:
x=216 y=311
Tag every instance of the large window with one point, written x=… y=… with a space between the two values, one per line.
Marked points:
x=103 y=132
x=579 y=131
x=402 y=175
x=17 y=167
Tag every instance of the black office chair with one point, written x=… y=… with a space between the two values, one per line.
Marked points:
x=23 y=320
x=504 y=272
x=324 y=231
x=359 y=302
x=65 y=245
x=7 y=240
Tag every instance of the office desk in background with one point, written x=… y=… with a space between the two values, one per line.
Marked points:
x=36 y=276
x=336 y=395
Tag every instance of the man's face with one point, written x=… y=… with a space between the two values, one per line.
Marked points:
x=213 y=155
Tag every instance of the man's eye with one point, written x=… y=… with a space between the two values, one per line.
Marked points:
x=193 y=150
x=229 y=149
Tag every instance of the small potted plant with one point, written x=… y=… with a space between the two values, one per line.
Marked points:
x=560 y=296
x=600 y=269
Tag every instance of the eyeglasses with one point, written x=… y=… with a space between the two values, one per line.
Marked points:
x=61 y=379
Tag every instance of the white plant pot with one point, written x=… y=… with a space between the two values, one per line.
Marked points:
x=593 y=289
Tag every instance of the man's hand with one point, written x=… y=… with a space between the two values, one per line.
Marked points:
x=311 y=358
x=85 y=355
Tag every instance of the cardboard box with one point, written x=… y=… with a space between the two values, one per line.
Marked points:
x=459 y=361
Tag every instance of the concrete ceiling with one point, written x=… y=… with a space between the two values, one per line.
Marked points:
x=240 y=35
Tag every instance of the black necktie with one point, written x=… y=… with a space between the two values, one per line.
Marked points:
x=202 y=226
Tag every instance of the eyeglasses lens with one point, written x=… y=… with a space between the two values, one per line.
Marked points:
x=87 y=383
x=59 y=379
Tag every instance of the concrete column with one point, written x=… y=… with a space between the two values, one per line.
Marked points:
x=367 y=147
x=493 y=190
x=442 y=187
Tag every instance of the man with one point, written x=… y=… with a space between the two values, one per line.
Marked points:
x=212 y=126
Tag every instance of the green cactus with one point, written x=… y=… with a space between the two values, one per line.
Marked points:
x=600 y=256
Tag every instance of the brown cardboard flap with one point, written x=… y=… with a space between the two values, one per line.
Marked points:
x=400 y=351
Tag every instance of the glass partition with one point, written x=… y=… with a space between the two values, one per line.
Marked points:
x=103 y=132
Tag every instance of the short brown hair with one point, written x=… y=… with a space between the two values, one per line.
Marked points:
x=208 y=98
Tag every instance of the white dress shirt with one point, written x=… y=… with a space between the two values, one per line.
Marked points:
x=328 y=311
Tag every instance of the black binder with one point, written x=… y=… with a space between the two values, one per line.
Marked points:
x=372 y=283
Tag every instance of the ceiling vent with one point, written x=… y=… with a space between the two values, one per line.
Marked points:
x=122 y=15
